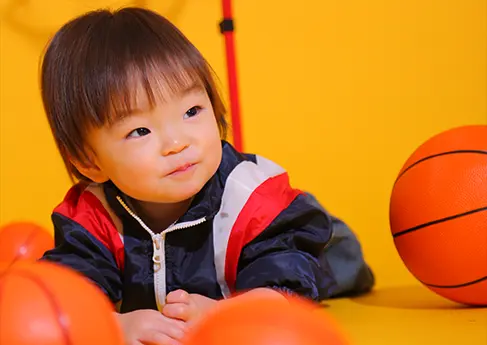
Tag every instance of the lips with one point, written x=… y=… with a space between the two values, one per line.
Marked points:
x=182 y=168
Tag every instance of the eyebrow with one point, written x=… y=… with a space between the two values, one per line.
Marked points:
x=125 y=113
x=193 y=88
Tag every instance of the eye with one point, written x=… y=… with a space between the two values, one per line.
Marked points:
x=193 y=111
x=139 y=132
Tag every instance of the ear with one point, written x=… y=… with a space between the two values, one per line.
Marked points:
x=91 y=170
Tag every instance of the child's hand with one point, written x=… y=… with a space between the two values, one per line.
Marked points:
x=149 y=327
x=187 y=307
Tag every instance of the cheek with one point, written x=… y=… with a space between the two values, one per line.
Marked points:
x=129 y=162
x=209 y=130
x=209 y=136
x=214 y=151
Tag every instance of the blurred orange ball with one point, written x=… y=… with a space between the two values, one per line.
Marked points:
x=260 y=320
x=46 y=304
x=23 y=241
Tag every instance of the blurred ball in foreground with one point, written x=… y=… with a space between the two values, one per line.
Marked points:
x=23 y=241
x=266 y=321
x=46 y=304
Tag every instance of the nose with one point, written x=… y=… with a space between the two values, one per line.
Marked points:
x=173 y=144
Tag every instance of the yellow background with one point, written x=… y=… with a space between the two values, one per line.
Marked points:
x=338 y=92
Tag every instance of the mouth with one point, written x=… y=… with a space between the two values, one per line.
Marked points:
x=181 y=169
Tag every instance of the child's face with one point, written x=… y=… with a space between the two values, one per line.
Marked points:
x=165 y=154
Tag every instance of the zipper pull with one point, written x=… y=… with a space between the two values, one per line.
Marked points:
x=158 y=251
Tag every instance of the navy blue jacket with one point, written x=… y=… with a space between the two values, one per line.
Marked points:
x=246 y=228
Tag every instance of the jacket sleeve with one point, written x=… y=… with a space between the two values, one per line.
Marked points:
x=78 y=249
x=288 y=254
x=345 y=257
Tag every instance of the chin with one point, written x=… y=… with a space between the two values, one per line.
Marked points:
x=182 y=193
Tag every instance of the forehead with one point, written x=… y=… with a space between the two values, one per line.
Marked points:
x=143 y=89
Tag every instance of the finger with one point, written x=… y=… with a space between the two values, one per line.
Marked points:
x=158 y=338
x=177 y=296
x=164 y=322
x=179 y=311
x=160 y=322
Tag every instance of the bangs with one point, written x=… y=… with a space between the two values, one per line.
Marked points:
x=157 y=80
x=137 y=53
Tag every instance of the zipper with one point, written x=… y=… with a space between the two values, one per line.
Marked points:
x=159 y=258
x=159 y=251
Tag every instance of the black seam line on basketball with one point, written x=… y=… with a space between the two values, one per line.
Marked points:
x=481 y=152
x=53 y=303
x=421 y=226
x=456 y=286
x=18 y=255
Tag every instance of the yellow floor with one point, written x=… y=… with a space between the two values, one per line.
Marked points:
x=408 y=315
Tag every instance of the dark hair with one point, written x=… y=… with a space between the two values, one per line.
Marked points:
x=90 y=66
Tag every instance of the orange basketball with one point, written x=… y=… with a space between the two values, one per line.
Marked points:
x=23 y=241
x=46 y=304
x=266 y=321
x=438 y=214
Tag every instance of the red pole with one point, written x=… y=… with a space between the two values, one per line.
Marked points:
x=227 y=29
